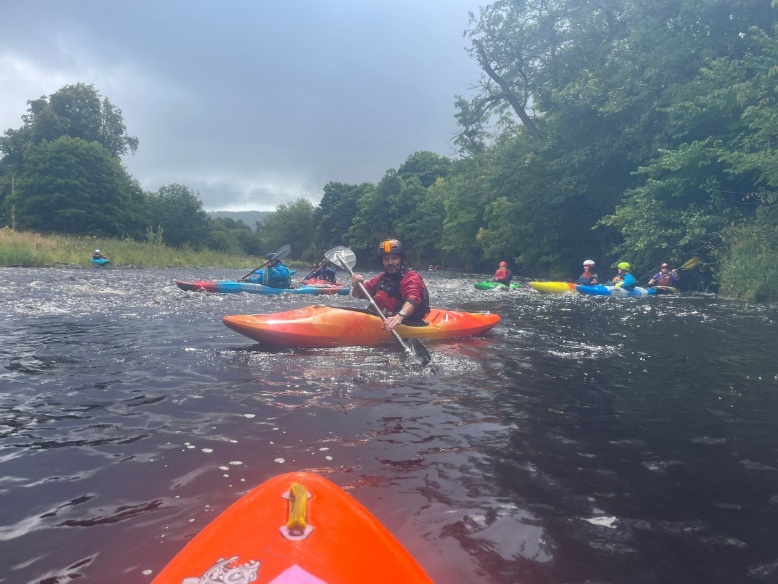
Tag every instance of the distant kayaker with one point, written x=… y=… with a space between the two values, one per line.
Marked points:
x=624 y=279
x=276 y=273
x=325 y=270
x=96 y=255
x=664 y=277
x=503 y=274
x=589 y=277
x=398 y=291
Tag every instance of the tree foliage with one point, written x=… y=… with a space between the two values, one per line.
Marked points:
x=178 y=211
x=72 y=186
x=293 y=224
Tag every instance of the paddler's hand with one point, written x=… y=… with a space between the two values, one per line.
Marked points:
x=392 y=322
x=356 y=278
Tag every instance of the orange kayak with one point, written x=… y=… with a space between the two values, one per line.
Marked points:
x=327 y=326
x=296 y=527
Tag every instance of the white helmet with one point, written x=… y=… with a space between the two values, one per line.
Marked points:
x=588 y=263
x=97 y=251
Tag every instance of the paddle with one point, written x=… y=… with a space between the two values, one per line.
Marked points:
x=415 y=354
x=282 y=252
x=690 y=263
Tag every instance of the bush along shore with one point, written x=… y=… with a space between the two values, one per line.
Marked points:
x=33 y=250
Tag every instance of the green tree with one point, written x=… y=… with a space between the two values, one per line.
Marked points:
x=293 y=224
x=179 y=212
x=72 y=186
x=426 y=166
x=229 y=236
x=336 y=211
x=77 y=111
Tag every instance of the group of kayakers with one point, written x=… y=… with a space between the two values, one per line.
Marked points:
x=623 y=279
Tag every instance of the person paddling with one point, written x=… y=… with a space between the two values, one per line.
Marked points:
x=664 y=277
x=624 y=279
x=503 y=274
x=276 y=273
x=398 y=291
x=588 y=277
x=96 y=255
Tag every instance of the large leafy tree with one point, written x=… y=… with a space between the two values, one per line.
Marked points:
x=336 y=211
x=75 y=111
x=78 y=111
x=178 y=212
x=293 y=224
x=69 y=185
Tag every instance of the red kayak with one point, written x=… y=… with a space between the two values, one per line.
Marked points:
x=296 y=528
x=325 y=326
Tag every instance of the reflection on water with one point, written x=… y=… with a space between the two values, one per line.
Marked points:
x=582 y=440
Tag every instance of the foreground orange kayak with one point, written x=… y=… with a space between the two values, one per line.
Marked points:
x=294 y=528
x=326 y=326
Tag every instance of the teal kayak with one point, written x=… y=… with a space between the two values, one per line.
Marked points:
x=236 y=287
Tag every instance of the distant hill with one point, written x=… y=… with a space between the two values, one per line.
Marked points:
x=250 y=218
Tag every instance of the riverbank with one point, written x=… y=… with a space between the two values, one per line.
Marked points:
x=33 y=250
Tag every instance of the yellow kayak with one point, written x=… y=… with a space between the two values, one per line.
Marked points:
x=553 y=287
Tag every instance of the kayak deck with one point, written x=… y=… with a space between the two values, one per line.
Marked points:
x=294 y=528
x=325 y=326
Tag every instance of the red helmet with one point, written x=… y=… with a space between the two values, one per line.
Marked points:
x=503 y=264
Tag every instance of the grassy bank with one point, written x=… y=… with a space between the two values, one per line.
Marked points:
x=33 y=250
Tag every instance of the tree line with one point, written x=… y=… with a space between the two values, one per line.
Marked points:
x=616 y=130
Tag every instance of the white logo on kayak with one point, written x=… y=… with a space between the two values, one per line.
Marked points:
x=222 y=572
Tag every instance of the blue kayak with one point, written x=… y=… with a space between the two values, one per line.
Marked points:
x=601 y=290
x=100 y=261
x=235 y=287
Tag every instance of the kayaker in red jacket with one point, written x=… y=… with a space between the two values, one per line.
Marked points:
x=503 y=274
x=399 y=292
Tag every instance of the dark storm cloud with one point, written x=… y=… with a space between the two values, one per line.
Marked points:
x=252 y=104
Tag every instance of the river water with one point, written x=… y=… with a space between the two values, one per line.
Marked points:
x=583 y=440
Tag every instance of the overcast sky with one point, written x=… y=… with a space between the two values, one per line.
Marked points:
x=251 y=103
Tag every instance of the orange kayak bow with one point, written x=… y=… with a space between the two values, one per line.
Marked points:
x=296 y=527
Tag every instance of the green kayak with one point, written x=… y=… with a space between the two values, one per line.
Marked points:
x=489 y=285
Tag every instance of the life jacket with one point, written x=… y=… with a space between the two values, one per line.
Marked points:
x=277 y=277
x=387 y=294
x=586 y=281
x=503 y=275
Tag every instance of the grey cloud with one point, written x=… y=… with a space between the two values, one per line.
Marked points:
x=285 y=96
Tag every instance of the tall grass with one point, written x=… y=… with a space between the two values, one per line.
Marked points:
x=28 y=249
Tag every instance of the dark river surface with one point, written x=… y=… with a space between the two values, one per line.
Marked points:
x=583 y=440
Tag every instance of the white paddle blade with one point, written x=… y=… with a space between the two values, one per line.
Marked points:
x=341 y=256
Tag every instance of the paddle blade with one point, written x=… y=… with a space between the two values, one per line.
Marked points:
x=341 y=256
x=417 y=355
x=690 y=263
x=282 y=252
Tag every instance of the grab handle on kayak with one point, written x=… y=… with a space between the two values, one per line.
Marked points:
x=297 y=527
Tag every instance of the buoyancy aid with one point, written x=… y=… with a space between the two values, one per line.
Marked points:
x=388 y=294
